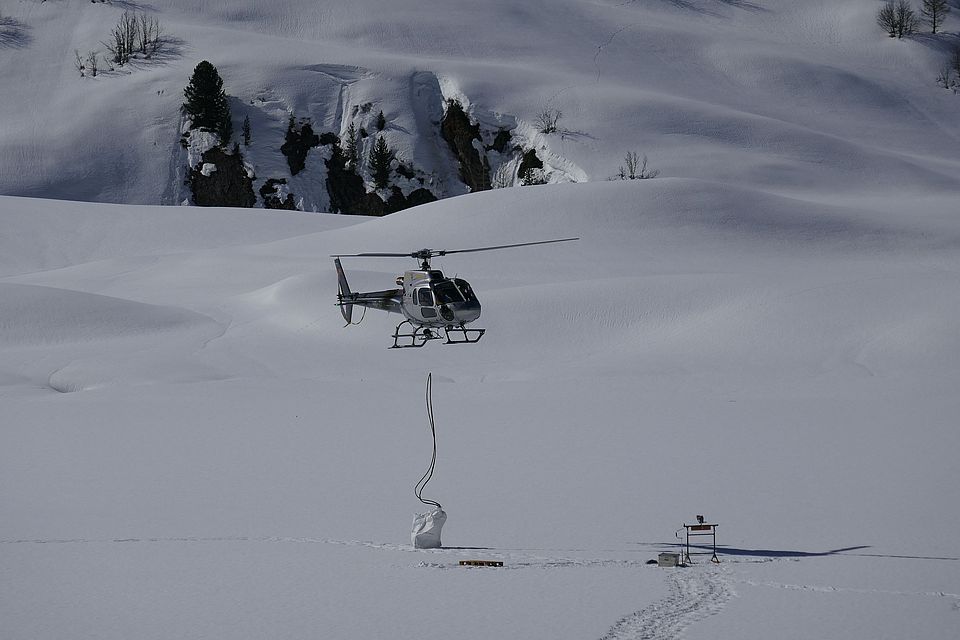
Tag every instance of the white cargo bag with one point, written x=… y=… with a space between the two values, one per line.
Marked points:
x=426 y=529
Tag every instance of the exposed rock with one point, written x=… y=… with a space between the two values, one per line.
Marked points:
x=459 y=133
x=531 y=169
x=501 y=142
x=399 y=202
x=273 y=197
x=396 y=202
x=228 y=185
x=420 y=196
x=369 y=205
x=405 y=171
x=300 y=139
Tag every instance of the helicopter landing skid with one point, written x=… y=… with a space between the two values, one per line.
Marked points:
x=420 y=336
x=462 y=335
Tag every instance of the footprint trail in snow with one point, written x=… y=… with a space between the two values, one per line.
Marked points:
x=695 y=593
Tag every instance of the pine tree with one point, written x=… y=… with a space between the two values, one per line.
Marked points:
x=353 y=155
x=381 y=121
x=245 y=129
x=380 y=158
x=206 y=103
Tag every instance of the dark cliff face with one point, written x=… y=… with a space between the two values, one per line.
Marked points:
x=459 y=133
x=228 y=186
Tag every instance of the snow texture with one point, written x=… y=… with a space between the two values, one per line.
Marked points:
x=192 y=445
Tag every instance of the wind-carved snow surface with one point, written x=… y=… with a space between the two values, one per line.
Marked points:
x=193 y=445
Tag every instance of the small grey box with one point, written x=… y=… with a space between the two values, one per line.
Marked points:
x=668 y=560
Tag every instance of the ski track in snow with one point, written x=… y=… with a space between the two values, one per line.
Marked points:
x=696 y=593
x=833 y=589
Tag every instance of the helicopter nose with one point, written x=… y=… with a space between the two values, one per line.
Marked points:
x=467 y=311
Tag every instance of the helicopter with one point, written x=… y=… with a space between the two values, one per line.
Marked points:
x=430 y=302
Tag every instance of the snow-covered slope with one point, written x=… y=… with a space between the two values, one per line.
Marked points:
x=192 y=445
x=796 y=97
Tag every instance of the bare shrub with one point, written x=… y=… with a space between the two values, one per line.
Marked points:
x=149 y=35
x=121 y=41
x=909 y=22
x=898 y=18
x=547 y=120
x=92 y=62
x=944 y=74
x=887 y=19
x=934 y=12
x=135 y=33
x=78 y=63
x=635 y=168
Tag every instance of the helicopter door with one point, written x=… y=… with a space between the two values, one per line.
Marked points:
x=424 y=298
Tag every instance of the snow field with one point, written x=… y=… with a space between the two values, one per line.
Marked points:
x=791 y=374
x=192 y=445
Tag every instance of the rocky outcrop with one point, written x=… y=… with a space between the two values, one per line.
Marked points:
x=531 y=169
x=299 y=140
x=460 y=135
x=220 y=179
x=501 y=142
x=348 y=193
x=370 y=205
x=399 y=202
x=273 y=196
x=418 y=197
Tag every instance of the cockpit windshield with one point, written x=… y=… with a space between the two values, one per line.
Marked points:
x=465 y=289
x=446 y=292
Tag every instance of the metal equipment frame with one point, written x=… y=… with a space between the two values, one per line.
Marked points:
x=701 y=529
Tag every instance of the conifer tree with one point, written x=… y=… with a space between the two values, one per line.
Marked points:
x=381 y=121
x=351 y=151
x=380 y=158
x=206 y=103
x=245 y=130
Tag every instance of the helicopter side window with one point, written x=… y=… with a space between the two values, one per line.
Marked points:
x=425 y=297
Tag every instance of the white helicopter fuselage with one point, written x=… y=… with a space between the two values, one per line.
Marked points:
x=432 y=300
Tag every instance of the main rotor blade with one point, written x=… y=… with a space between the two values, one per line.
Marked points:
x=422 y=254
x=502 y=246
x=372 y=255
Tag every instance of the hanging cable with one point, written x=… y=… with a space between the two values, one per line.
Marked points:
x=418 y=490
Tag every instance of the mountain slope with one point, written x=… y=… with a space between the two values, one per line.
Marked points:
x=794 y=98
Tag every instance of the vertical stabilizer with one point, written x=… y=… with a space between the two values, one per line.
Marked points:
x=343 y=292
